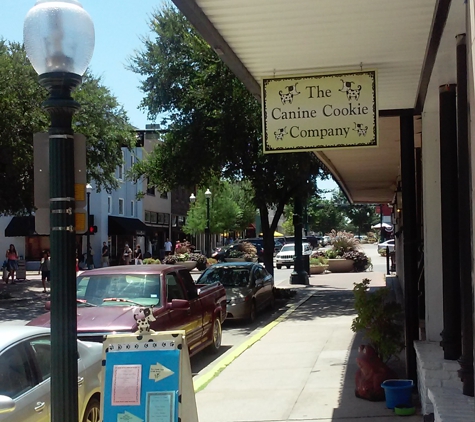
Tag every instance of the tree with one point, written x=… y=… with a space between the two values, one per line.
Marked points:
x=230 y=210
x=213 y=124
x=324 y=215
x=101 y=119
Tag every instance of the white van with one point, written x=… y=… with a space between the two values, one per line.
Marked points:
x=287 y=254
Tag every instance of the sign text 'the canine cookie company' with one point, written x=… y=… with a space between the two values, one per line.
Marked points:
x=318 y=112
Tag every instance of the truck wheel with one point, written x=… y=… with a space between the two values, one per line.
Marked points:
x=288 y=267
x=278 y=267
x=93 y=411
x=252 y=312
x=217 y=334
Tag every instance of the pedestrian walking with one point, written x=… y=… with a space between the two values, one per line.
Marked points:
x=45 y=270
x=12 y=262
x=168 y=247
x=138 y=255
x=177 y=246
x=105 y=255
x=127 y=254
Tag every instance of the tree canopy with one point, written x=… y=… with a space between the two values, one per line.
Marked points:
x=213 y=123
x=101 y=119
x=231 y=209
x=337 y=213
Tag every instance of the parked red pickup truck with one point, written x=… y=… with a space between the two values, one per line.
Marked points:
x=109 y=297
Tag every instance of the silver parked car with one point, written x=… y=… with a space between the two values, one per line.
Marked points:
x=249 y=287
x=388 y=244
x=25 y=362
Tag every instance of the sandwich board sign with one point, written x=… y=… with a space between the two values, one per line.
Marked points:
x=147 y=378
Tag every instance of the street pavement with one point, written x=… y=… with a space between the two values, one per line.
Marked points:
x=299 y=367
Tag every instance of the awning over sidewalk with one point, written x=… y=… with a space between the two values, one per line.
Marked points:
x=21 y=226
x=126 y=226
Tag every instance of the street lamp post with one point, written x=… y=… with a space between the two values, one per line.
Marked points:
x=59 y=41
x=207 y=232
x=298 y=275
x=192 y=201
x=88 y=234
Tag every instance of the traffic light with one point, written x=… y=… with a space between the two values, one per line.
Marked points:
x=91 y=228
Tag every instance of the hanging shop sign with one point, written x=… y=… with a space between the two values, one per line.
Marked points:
x=318 y=112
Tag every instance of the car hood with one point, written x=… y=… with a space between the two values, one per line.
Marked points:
x=98 y=319
x=235 y=292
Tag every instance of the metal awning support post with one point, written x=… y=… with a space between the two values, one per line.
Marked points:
x=408 y=179
x=451 y=339
x=465 y=230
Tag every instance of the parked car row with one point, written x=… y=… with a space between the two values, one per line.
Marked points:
x=108 y=300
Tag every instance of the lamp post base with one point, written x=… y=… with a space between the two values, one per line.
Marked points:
x=299 y=277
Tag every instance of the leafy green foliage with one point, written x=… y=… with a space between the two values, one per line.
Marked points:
x=231 y=209
x=213 y=124
x=338 y=214
x=101 y=120
x=378 y=319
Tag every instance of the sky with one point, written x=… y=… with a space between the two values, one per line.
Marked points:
x=119 y=26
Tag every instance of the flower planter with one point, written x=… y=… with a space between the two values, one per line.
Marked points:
x=318 y=269
x=340 y=265
x=188 y=264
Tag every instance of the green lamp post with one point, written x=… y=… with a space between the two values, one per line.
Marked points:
x=207 y=230
x=59 y=42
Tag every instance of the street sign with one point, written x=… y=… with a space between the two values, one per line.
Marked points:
x=147 y=378
x=41 y=179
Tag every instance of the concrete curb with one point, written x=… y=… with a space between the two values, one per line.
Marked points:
x=200 y=382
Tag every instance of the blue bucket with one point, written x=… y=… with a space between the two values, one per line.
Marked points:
x=398 y=393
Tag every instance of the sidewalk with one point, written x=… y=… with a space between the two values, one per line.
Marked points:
x=302 y=369
x=28 y=289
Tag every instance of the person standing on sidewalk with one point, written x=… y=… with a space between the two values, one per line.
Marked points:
x=45 y=270
x=168 y=247
x=12 y=262
x=105 y=255
x=126 y=256
x=138 y=255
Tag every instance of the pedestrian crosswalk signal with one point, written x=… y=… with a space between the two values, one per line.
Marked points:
x=92 y=229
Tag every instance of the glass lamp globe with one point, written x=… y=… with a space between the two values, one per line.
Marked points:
x=208 y=193
x=58 y=36
x=192 y=198
x=88 y=188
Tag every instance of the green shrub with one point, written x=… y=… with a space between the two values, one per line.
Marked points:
x=318 y=260
x=148 y=261
x=379 y=319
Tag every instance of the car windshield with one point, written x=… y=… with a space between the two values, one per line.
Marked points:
x=119 y=289
x=227 y=276
x=287 y=248
x=290 y=248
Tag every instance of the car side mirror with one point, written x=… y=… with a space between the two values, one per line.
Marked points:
x=7 y=404
x=48 y=305
x=179 y=305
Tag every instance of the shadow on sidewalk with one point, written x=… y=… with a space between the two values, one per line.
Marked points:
x=352 y=407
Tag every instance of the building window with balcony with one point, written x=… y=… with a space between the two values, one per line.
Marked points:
x=164 y=195
x=121 y=206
